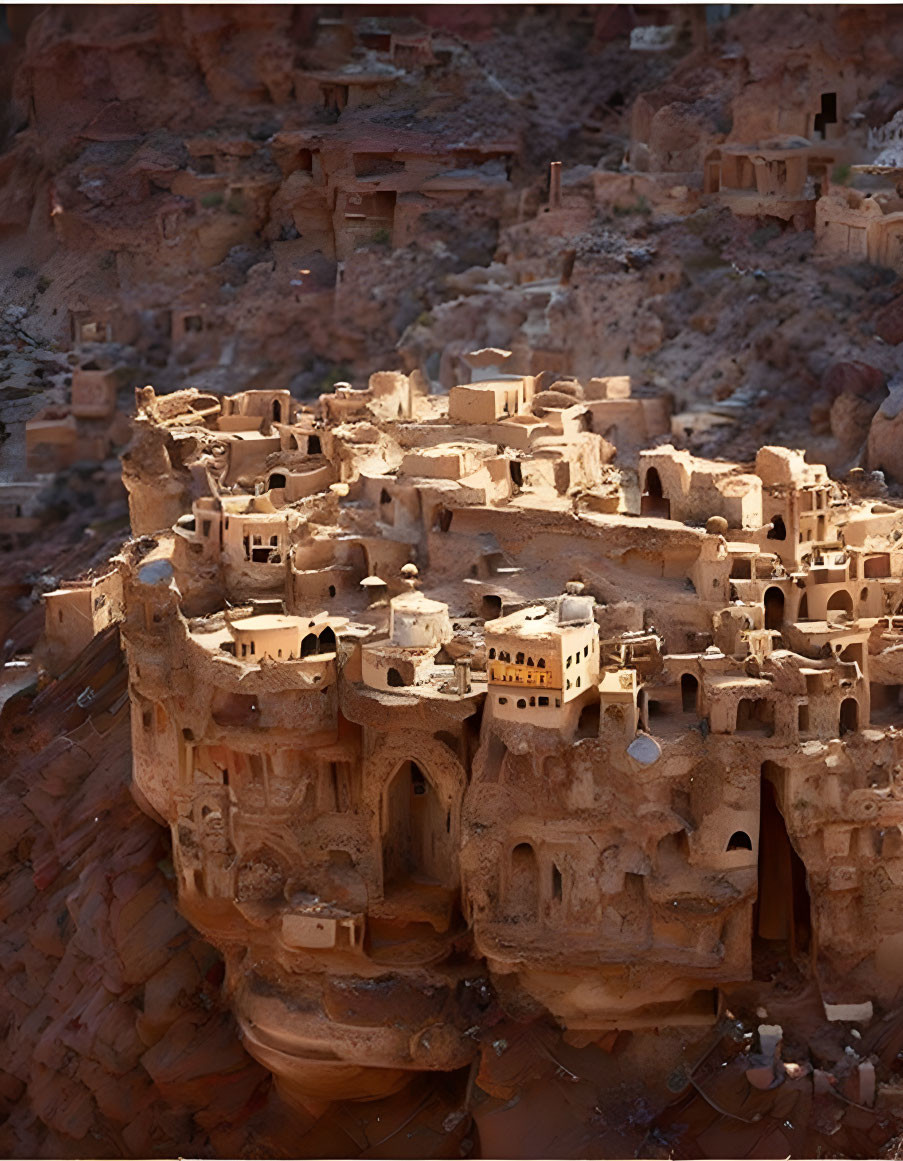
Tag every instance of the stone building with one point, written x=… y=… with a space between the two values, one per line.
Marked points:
x=619 y=748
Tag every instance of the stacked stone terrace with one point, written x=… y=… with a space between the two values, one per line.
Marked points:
x=447 y=704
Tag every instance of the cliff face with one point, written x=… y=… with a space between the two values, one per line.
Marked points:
x=116 y=1042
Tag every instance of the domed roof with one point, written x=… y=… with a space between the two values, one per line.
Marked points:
x=413 y=603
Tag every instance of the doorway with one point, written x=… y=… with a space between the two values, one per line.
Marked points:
x=689 y=693
x=653 y=501
x=782 y=915
x=416 y=833
x=774 y=608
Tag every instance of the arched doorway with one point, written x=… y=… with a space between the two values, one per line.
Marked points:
x=653 y=501
x=774 y=608
x=523 y=884
x=326 y=640
x=277 y=411
x=840 y=602
x=416 y=831
x=849 y=716
x=588 y=722
x=689 y=692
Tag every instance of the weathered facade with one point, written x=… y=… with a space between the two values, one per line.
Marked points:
x=609 y=804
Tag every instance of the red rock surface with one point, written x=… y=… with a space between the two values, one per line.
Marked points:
x=117 y=1042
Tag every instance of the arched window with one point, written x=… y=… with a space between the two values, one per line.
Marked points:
x=739 y=841
x=519 y=659
x=541 y=663
x=277 y=411
x=326 y=641
x=492 y=654
x=309 y=645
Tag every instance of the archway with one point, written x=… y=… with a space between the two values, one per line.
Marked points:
x=523 y=884
x=840 y=602
x=588 y=722
x=849 y=716
x=653 y=501
x=309 y=645
x=416 y=830
x=689 y=692
x=277 y=411
x=774 y=607
x=326 y=641
x=739 y=841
